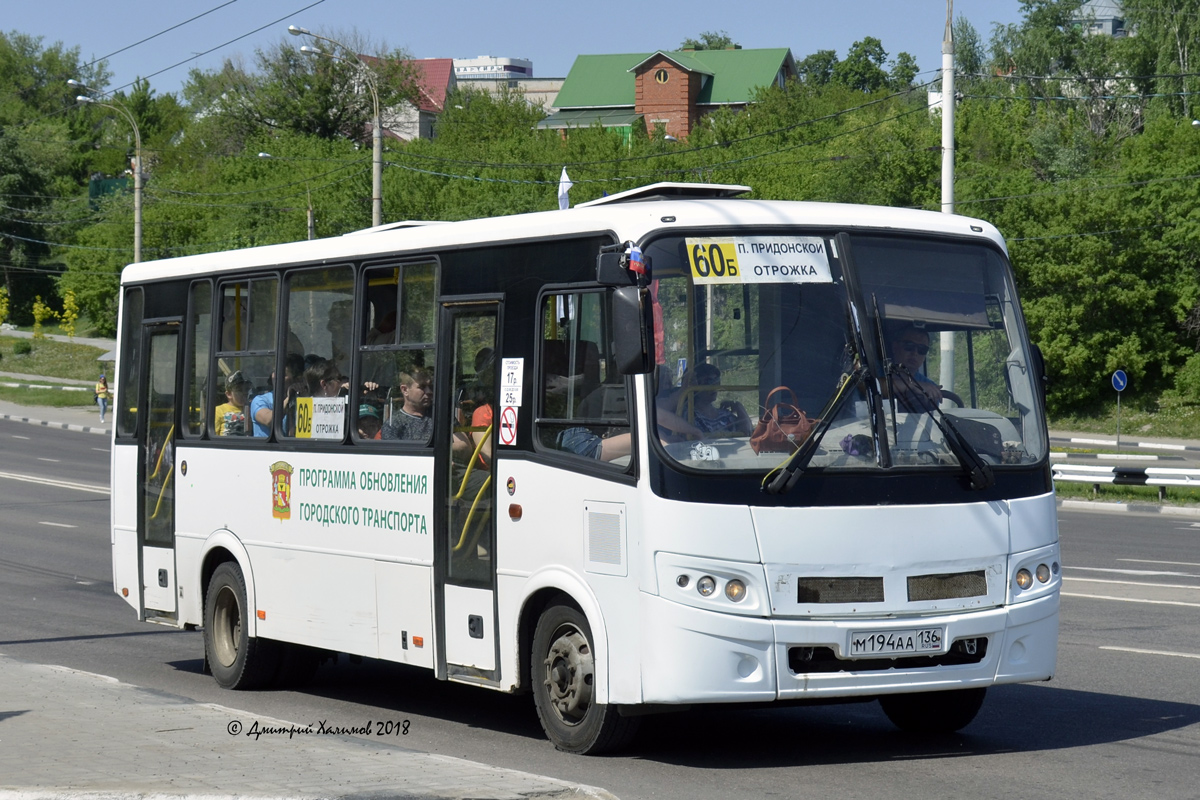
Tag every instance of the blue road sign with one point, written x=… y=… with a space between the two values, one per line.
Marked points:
x=1119 y=380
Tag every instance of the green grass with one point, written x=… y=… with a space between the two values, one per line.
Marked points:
x=1176 y=495
x=56 y=398
x=1171 y=418
x=52 y=359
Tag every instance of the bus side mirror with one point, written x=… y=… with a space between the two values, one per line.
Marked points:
x=1038 y=365
x=633 y=330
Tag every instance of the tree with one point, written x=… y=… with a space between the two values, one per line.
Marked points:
x=862 y=68
x=817 y=69
x=709 y=40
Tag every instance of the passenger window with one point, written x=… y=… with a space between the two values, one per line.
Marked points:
x=582 y=399
x=245 y=359
x=397 y=352
x=319 y=331
x=199 y=337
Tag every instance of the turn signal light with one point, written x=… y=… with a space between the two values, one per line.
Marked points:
x=124 y=592
x=1024 y=578
x=1043 y=573
x=262 y=614
x=418 y=641
x=735 y=590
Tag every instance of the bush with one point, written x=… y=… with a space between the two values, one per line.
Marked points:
x=23 y=347
x=1187 y=380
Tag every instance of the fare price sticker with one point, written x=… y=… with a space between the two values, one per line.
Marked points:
x=759 y=259
x=512 y=376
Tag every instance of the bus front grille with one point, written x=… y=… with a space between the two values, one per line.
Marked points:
x=839 y=590
x=948 y=586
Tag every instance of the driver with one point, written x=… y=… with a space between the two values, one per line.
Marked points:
x=909 y=347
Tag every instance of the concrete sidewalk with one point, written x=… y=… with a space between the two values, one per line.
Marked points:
x=71 y=734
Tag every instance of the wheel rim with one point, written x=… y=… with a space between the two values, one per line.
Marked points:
x=227 y=626
x=570 y=674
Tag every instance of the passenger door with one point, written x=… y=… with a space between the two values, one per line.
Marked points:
x=465 y=563
x=156 y=466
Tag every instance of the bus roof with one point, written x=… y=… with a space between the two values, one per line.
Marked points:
x=624 y=218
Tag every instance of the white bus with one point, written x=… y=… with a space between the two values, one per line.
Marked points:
x=667 y=448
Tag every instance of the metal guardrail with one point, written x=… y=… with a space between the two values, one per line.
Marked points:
x=1162 y=477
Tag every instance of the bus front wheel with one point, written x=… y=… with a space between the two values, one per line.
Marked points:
x=933 y=712
x=236 y=660
x=563 y=680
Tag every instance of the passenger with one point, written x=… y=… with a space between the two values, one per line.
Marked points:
x=413 y=421
x=584 y=442
x=324 y=379
x=692 y=413
x=231 y=415
x=369 y=423
x=384 y=330
x=482 y=394
x=909 y=346
x=262 y=407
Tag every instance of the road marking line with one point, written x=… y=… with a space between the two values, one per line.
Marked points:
x=1131 y=600
x=83 y=487
x=51 y=460
x=1152 y=652
x=1168 y=563
x=26 y=438
x=57 y=524
x=1142 y=572
x=101 y=449
x=1133 y=583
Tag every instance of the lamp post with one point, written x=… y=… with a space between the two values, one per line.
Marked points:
x=137 y=158
x=377 y=123
x=312 y=225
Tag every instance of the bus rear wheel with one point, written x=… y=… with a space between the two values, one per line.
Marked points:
x=237 y=660
x=933 y=712
x=563 y=680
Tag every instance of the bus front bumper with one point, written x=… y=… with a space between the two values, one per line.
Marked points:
x=696 y=656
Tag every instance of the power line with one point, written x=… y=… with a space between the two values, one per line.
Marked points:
x=160 y=33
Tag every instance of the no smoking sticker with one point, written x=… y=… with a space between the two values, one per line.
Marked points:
x=508 y=425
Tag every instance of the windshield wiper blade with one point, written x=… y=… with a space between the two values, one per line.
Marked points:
x=793 y=468
x=978 y=472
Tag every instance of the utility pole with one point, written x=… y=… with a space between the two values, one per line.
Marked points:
x=946 y=376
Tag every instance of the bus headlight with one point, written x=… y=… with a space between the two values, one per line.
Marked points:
x=706 y=586
x=735 y=590
x=1024 y=578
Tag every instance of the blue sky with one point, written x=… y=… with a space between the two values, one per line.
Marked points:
x=550 y=34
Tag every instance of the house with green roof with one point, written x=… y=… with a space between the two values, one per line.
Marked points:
x=672 y=89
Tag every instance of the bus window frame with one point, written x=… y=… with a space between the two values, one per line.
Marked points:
x=555 y=456
x=216 y=354
x=189 y=355
x=361 y=349
x=283 y=328
x=131 y=348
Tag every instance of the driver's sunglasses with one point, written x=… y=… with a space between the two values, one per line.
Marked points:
x=913 y=347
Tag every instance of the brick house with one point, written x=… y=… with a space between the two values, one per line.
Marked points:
x=670 y=90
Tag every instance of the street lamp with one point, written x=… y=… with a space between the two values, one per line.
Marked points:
x=137 y=158
x=377 y=123
x=312 y=225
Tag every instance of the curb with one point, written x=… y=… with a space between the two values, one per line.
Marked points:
x=66 y=426
x=45 y=386
x=1113 y=443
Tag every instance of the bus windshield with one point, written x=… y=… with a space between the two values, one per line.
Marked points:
x=887 y=351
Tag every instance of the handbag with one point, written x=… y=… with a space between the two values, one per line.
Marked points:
x=783 y=426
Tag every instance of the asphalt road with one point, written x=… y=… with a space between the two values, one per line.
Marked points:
x=1121 y=718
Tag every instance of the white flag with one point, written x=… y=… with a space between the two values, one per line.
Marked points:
x=564 y=186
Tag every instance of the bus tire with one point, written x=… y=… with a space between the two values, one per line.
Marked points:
x=237 y=660
x=563 y=679
x=933 y=712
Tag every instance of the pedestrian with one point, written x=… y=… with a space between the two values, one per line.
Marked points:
x=103 y=395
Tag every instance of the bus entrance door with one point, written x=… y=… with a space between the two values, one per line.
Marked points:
x=465 y=524
x=156 y=469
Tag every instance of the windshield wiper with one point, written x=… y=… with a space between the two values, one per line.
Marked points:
x=978 y=472
x=791 y=469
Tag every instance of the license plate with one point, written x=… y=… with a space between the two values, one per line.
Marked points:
x=896 y=643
